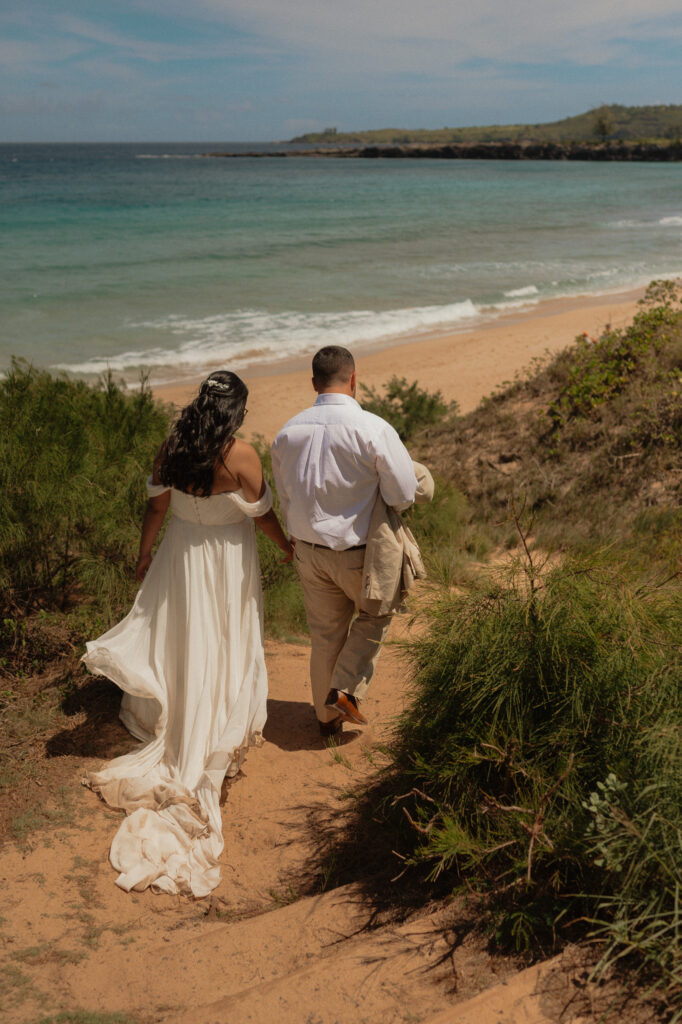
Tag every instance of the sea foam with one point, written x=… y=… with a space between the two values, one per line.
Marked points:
x=519 y=293
x=674 y=221
x=247 y=336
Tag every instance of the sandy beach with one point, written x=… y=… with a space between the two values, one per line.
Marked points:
x=464 y=365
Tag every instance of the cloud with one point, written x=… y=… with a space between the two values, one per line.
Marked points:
x=385 y=36
x=23 y=55
x=286 y=66
x=59 y=38
x=142 y=48
x=535 y=31
x=115 y=70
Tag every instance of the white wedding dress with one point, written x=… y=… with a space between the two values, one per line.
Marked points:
x=189 y=658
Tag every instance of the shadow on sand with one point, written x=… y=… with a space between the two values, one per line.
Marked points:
x=292 y=725
x=101 y=734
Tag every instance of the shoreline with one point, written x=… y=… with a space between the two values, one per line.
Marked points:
x=464 y=364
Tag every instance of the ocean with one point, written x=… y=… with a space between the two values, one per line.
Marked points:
x=152 y=259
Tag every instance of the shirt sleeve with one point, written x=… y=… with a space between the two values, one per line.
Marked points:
x=397 y=478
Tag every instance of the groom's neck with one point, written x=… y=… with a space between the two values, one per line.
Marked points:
x=345 y=387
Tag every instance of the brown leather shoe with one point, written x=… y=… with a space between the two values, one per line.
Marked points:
x=332 y=728
x=338 y=700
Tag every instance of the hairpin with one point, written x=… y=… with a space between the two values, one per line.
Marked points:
x=210 y=383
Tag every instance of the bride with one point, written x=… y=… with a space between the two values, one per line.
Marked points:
x=189 y=655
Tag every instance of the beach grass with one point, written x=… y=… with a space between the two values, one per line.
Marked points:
x=540 y=759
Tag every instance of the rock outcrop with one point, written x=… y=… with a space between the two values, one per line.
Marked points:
x=615 y=151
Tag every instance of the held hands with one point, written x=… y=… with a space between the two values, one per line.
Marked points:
x=143 y=563
x=288 y=552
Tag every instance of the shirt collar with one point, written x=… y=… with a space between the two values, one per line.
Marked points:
x=333 y=398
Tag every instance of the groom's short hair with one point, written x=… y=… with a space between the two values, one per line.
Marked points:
x=332 y=364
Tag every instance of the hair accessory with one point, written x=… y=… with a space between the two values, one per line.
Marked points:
x=210 y=383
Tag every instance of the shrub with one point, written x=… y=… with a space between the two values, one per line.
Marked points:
x=598 y=371
x=542 y=752
x=73 y=461
x=407 y=407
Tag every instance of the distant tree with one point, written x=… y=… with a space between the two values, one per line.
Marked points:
x=602 y=127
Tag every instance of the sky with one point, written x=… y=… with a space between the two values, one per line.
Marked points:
x=267 y=70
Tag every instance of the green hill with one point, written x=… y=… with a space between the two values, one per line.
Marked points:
x=606 y=123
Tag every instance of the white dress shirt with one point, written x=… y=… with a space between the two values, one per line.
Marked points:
x=329 y=463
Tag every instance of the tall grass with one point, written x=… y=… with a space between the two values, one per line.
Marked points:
x=541 y=757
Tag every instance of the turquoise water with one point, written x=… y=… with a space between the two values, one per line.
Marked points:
x=151 y=257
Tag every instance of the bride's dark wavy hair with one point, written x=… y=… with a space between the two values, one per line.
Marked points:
x=202 y=432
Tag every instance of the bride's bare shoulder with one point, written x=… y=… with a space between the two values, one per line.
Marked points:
x=242 y=453
x=244 y=464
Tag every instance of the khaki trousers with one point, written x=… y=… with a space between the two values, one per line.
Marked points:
x=341 y=657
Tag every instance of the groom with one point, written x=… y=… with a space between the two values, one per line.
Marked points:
x=329 y=463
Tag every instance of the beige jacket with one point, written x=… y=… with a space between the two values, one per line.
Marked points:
x=392 y=559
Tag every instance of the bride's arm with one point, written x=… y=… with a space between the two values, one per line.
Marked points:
x=269 y=524
x=244 y=464
x=154 y=515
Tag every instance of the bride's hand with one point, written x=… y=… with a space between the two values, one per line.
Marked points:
x=143 y=563
x=289 y=555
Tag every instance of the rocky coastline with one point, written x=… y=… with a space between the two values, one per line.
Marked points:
x=608 y=151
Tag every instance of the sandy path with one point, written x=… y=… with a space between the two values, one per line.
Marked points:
x=71 y=940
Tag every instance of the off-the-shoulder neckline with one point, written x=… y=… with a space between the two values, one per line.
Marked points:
x=219 y=494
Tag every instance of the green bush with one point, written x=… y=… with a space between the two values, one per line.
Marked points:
x=407 y=407
x=595 y=372
x=73 y=461
x=542 y=752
